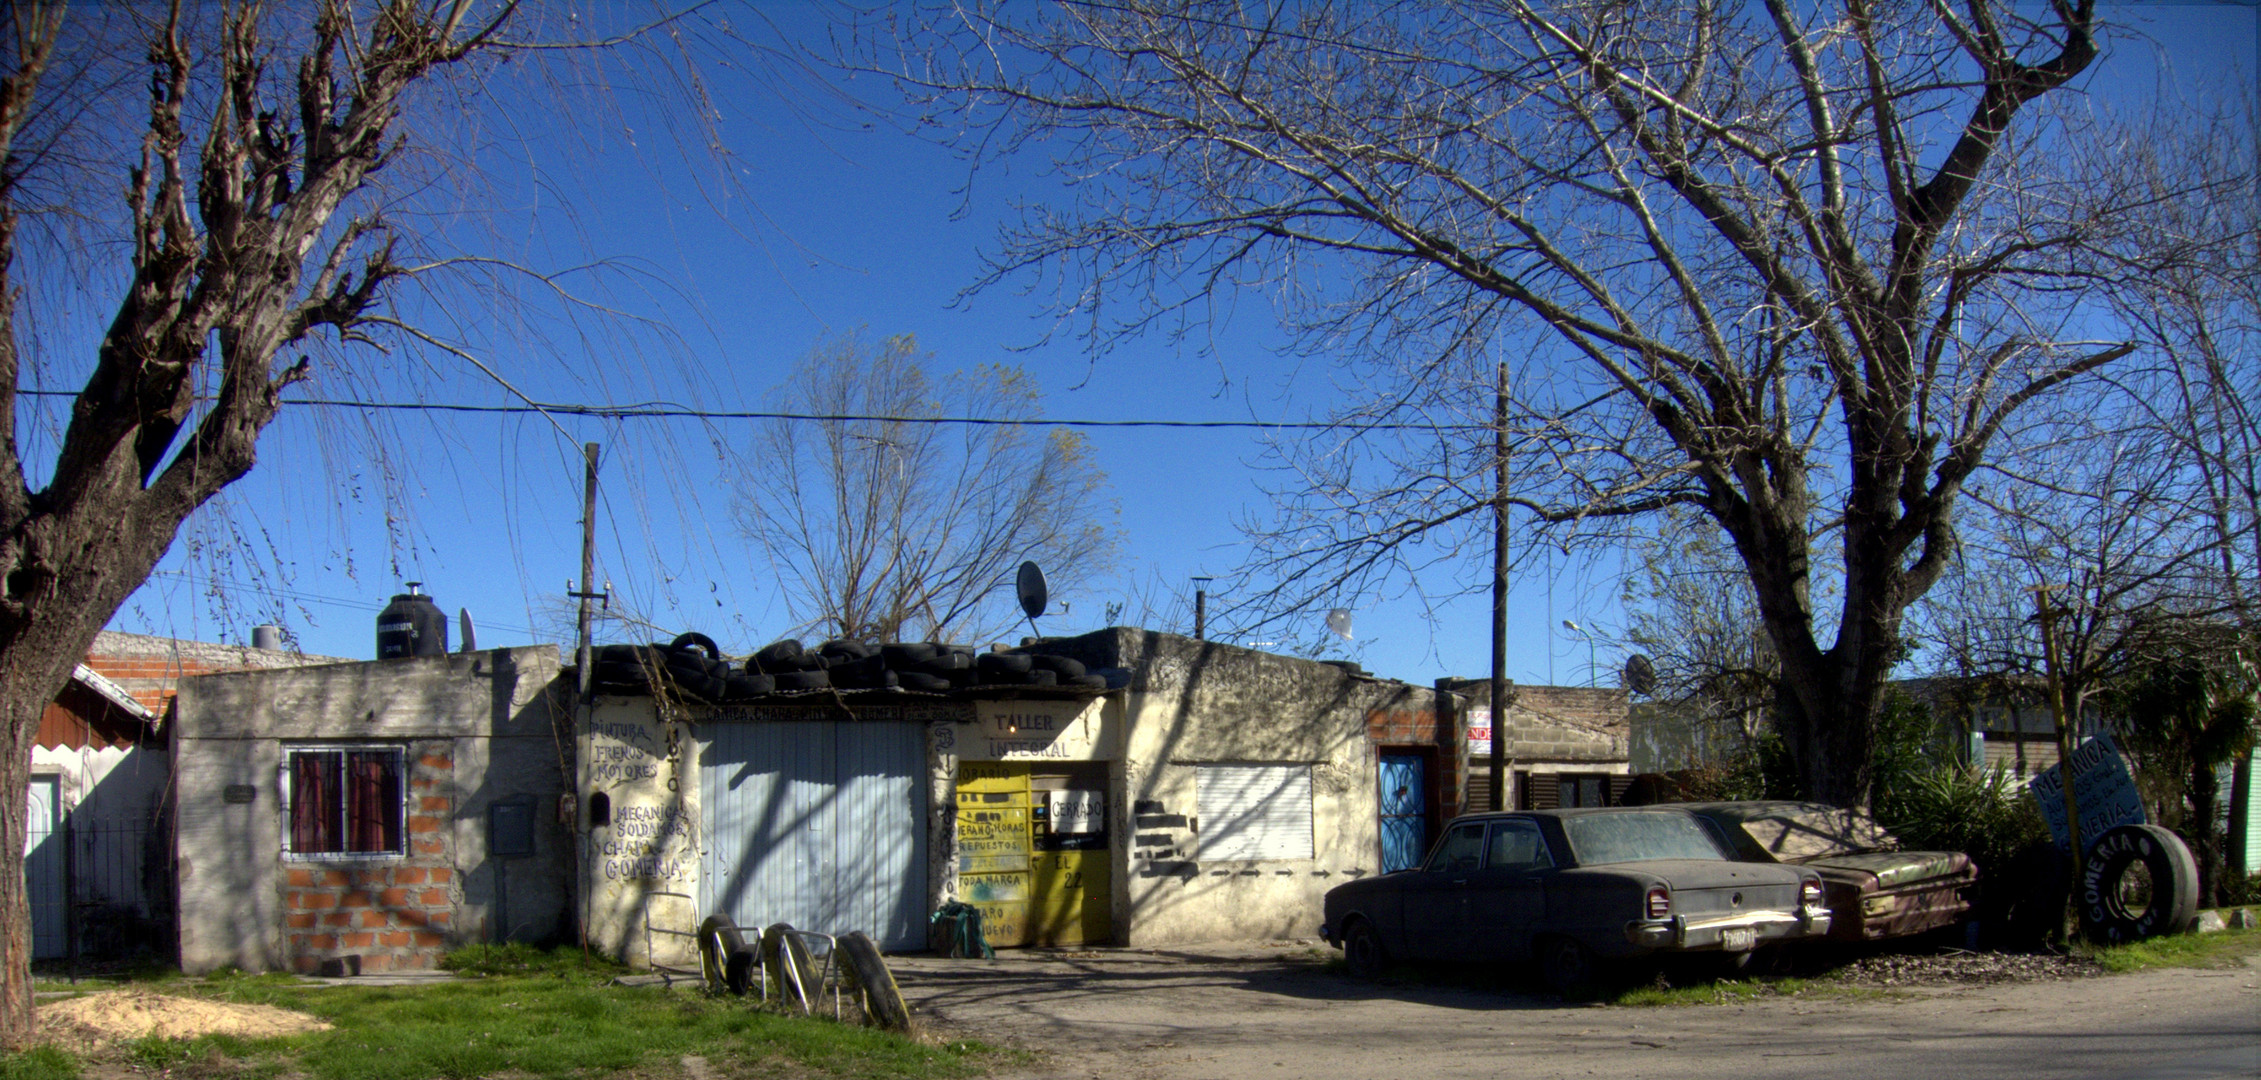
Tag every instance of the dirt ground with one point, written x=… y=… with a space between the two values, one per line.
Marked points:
x=1279 y=1011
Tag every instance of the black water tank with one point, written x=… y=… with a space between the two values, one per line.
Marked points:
x=412 y=625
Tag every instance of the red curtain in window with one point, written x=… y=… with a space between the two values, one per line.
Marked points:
x=373 y=805
x=314 y=791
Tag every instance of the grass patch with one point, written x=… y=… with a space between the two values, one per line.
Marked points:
x=39 y=1063
x=2222 y=948
x=535 y=1014
x=1738 y=991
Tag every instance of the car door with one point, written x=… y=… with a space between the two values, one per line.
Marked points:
x=1436 y=899
x=1507 y=894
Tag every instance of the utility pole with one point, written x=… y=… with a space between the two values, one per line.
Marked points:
x=582 y=649
x=2052 y=665
x=1497 y=766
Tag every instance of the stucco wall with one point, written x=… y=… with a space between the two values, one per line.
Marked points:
x=1193 y=703
x=477 y=729
x=642 y=861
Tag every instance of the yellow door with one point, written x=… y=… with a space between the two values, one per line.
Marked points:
x=993 y=848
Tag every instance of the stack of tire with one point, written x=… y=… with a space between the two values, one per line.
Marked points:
x=691 y=666
x=1034 y=669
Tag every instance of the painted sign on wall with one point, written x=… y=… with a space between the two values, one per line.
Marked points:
x=2102 y=786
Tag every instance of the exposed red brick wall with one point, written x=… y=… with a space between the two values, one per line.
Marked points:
x=396 y=914
x=1417 y=729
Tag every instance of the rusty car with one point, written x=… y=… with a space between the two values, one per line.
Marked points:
x=1576 y=891
x=1876 y=889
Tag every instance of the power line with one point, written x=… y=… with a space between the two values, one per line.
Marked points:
x=667 y=410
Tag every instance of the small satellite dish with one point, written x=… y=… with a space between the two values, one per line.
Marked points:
x=1640 y=674
x=1338 y=620
x=1033 y=592
x=470 y=633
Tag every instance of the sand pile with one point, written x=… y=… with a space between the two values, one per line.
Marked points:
x=118 y=1015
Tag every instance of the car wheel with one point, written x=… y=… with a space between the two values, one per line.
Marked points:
x=1362 y=951
x=1570 y=968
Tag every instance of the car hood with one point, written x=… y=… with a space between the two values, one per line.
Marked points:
x=1892 y=869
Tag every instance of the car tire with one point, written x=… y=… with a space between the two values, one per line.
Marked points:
x=790 y=966
x=695 y=640
x=1362 y=951
x=2105 y=914
x=718 y=942
x=1570 y=969
x=874 y=984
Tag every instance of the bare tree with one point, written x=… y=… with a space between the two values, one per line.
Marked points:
x=1794 y=267
x=902 y=503
x=224 y=185
x=1689 y=609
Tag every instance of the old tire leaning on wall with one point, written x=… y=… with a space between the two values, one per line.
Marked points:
x=2113 y=908
x=719 y=940
x=789 y=964
x=874 y=985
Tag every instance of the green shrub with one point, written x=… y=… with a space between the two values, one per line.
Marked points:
x=1957 y=808
x=38 y=1063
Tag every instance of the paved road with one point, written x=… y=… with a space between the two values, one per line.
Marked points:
x=1237 y=1012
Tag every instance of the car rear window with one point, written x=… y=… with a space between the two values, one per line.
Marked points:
x=1616 y=838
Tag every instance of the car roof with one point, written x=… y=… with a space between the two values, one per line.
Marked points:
x=1745 y=809
x=1574 y=811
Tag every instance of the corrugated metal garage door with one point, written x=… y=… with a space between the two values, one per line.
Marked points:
x=819 y=824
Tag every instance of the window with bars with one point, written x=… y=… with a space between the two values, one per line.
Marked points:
x=345 y=800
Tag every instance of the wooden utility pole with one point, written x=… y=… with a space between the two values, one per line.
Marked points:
x=2066 y=736
x=1497 y=767
x=582 y=649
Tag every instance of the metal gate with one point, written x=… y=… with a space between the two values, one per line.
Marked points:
x=1405 y=812
x=43 y=870
x=821 y=824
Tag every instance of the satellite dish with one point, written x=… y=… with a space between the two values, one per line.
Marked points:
x=1640 y=674
x=1029 y=583
x=470 y=633
x=1338 y=620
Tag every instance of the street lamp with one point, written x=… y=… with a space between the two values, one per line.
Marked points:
x=1593 y=671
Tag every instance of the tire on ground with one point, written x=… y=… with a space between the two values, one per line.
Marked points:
x=2106 y=915
x=874 y=984
x=718 y=940
x=788 y=962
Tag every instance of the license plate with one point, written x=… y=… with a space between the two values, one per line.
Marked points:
x=1738 y=939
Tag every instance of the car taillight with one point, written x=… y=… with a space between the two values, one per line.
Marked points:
x=1810 y=894
x=1660 y=902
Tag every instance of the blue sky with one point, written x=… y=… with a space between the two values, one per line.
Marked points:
x=842 y=227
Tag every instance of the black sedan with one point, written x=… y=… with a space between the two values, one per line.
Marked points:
x=1572 y=889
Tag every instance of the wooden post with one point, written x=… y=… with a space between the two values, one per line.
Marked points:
x=2066 y=736
x=1497 y=767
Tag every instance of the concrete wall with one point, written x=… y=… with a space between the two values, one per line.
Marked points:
x=477 y=729
x=1193 y=703
x=1550 y=730
x=641 y=865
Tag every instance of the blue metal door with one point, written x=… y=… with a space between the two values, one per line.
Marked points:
x=816 y=823
x=1405 y=811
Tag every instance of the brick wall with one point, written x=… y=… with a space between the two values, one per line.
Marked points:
x=395 y=914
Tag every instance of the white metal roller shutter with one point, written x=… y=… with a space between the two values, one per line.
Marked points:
x=1253 y=811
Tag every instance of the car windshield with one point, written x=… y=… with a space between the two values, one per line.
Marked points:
x=1807 y=832
x=1616 y=838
